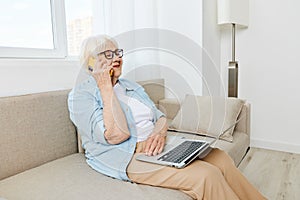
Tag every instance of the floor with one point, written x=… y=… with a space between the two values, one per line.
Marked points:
x=275 y=174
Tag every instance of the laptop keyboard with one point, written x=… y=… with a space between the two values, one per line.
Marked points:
x=181 y=152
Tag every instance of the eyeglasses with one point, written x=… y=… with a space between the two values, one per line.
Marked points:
x=109 y=54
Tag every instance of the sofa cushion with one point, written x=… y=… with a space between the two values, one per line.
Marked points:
x=71 y=178
x=35 y=129
x=208 y=115
x=154 y=88
x=169 y=106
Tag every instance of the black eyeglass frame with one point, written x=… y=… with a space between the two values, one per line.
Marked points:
x=117 y=52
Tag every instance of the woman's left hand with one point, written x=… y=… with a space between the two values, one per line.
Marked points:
x=156 y=141
x=155 y=144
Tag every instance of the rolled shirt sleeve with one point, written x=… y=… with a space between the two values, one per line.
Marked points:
x=86 y=112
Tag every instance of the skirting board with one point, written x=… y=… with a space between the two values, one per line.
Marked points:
x=286 y=147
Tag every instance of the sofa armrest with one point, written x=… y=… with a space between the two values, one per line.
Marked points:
x=169 y=107
x=244 y=124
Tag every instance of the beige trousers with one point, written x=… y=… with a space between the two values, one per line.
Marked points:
x=213 y=178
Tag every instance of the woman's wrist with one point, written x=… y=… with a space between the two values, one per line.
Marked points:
x=163 y=133
x=107 y=94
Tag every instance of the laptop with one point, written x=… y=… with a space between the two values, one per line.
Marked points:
x=179 y=151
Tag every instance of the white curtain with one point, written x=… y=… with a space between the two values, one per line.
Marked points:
x=120 y=19
x=124 y=19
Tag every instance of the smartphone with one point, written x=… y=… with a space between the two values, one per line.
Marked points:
x=91 y=64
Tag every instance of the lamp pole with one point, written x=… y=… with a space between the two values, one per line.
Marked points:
x=233 y=70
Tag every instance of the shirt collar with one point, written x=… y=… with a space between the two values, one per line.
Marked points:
x=128 y=85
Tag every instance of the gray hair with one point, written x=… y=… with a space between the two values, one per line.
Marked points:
x=93 y=45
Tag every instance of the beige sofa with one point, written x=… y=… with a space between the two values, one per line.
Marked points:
x=40 y=159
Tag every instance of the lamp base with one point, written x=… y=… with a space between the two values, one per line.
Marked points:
x=233 y=79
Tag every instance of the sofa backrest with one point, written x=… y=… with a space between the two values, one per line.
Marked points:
x=155 y=88
x=34 y=129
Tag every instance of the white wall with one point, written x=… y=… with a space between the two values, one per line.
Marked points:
x=213 y=83
x=185 y=19
x=268 y=55
x=25 y=76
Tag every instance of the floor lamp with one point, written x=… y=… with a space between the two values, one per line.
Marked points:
x=234 y=13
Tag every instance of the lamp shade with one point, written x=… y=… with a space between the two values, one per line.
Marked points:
x=233 y=12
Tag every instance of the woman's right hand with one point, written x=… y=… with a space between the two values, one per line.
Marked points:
x=102 y=76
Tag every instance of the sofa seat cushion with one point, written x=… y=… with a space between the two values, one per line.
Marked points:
x=238 y=148
x=71 y=178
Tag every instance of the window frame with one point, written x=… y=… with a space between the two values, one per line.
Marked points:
x=58 y=19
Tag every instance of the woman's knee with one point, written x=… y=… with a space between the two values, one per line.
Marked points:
x=220 y=159
x=204 y=171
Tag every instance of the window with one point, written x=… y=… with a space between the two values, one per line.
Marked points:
x=31 y=28
x=79 y=22
x=44 y=28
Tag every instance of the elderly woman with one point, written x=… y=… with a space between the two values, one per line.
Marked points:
x=117 y=120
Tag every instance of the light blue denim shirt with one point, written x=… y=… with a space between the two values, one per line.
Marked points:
x=86 y=112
